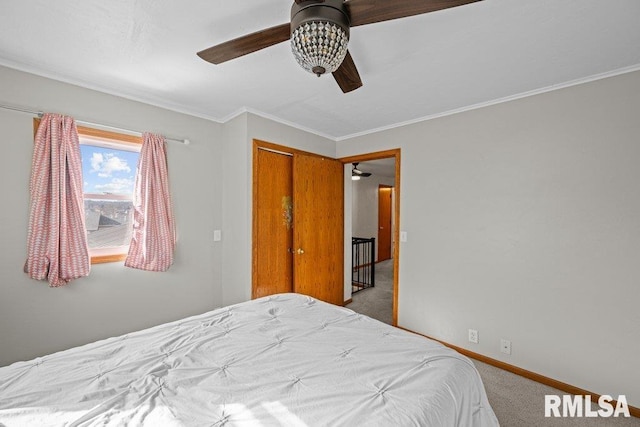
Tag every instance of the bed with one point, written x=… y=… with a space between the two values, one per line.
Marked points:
x=286 y=359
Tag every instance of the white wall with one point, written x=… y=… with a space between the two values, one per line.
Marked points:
x=236 y=234
x=211 y=186
x=523 y=222
x=36 y=319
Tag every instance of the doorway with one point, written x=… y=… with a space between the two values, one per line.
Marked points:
x=395 y=233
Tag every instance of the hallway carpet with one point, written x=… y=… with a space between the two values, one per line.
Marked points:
x=377 y=302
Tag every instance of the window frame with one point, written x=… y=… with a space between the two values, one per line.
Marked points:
x=116 y=140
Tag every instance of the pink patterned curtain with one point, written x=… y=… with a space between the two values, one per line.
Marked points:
x=57 y=240
x=154 y=235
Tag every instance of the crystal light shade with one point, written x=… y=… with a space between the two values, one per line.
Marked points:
x=319 y=47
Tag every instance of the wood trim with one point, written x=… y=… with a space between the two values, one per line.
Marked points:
x=108 y=258
x=396 y=239
x=372 y=156
x=396 y=233
x=109 y=135
x=347 y=302
x=568 y=388
x=257 y=143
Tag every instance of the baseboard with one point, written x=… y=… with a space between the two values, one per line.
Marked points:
x=568 y=388
x=347 y=302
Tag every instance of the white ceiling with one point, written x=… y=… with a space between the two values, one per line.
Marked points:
x=385 y=168
x=412 y=68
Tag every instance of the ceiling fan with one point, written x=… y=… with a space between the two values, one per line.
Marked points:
x=356 y=173
x=319 y=33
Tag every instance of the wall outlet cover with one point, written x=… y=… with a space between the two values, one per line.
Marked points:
x=505 y=346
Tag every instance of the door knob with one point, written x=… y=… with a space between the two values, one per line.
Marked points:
x=300 y=251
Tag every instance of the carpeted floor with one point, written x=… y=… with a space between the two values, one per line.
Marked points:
x=377 y=302
x=517 y=401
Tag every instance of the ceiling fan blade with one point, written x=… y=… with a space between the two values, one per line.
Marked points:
x=246 y=44
x=347 y=75
x=364 y=12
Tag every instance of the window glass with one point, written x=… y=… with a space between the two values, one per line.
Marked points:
x=108 y=169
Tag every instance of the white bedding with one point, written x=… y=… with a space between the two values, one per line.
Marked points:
x=281 y=360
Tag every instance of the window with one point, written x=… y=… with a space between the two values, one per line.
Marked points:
x=109 y=162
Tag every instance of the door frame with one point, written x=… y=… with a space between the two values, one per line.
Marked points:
x=395 y=153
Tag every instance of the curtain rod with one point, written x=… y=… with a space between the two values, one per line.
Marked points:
x=184 y=141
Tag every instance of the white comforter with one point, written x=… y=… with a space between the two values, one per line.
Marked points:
x=280 y=360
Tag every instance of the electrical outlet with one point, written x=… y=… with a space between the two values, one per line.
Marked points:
x=505 y=346
x=473 y=336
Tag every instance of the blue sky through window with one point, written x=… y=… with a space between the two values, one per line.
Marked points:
x=107 y=170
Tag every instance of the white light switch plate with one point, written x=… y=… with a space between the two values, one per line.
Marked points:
x=217 y=235
x=403 y=236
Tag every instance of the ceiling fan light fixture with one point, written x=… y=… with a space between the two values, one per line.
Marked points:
x=356 y=173
x=319 y=35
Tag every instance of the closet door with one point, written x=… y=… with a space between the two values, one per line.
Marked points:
x=318 y=228
x=272 y=223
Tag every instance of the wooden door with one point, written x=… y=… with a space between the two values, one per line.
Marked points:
x=318 y=228
x=384 y=222
x=273 y=233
